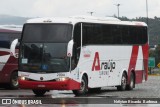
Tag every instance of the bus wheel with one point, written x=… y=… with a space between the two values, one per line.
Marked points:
x=123 y=85
x=39 y=92
x=14 y=81
x=83 y=88
x=132 y=82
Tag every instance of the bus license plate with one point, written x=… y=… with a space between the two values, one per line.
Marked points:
x=41 y=86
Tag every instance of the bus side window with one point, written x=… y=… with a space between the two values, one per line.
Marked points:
x=5 y=44
x=77 y=44
x=75 y=56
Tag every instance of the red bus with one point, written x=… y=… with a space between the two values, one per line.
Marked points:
x=8 y=63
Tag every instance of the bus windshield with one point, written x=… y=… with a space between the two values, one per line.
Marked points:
x=44 y=48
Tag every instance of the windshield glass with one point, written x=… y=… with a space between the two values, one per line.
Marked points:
x=42 y=54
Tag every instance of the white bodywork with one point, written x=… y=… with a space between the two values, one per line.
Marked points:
x=119 y=55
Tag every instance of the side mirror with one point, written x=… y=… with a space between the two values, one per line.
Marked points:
x=13 y=48
x=70 y=48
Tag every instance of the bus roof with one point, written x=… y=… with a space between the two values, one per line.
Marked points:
x=10 y=28
x=90 y=19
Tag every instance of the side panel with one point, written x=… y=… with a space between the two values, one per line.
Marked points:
x=139 y=63
x=104 y=65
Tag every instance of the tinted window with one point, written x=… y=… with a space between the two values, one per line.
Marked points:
x=47 y=33
x=44 y=57
x=113 y=34
x=77 y=34
x=7 y=38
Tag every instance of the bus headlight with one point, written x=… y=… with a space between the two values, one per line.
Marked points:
x=23 y=78
x=62 y=79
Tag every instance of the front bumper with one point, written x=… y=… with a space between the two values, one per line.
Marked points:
x=50 y=85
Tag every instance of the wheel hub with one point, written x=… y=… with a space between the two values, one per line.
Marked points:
x=82 y=85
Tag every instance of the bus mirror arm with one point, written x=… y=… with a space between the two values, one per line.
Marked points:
x=70 y=48
x=13 y=48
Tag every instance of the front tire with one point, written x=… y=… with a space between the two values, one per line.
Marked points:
x=14 y=81
x=39 y=92
x=83 y=88
x=123 y=85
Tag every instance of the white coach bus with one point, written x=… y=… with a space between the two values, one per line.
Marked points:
x=82 y=54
